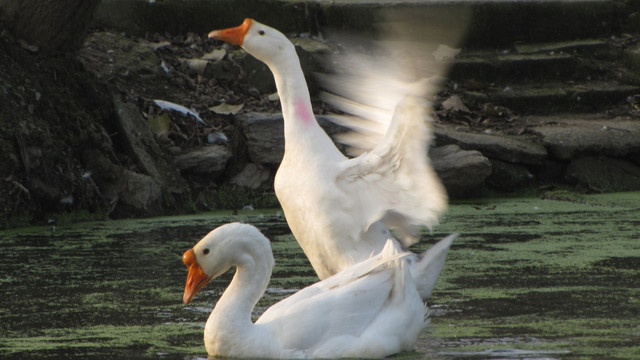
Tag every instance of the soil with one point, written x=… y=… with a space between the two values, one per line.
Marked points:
x=58 y=116
x=51 y=111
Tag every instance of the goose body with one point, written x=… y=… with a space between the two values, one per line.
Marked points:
x=340 y=209
x=370 y=309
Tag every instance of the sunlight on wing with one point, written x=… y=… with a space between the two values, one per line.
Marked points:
x=371 y=76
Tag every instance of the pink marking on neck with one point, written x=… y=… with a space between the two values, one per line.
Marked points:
x=303 y=112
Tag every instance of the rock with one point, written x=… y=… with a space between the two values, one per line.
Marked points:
x=551 y=98
x=508 y=177
x=604 y=174
x=252 y=177
x=265 y=137
x=129 y=194
x=568 y=139
x=509 y=149
x=206 y=160
x=135 y=195
x=148 y=155
x=461 y=171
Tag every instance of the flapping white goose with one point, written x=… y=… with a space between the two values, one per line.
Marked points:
x=340 y=209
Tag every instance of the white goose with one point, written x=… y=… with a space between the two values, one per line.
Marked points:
x=339 y=209
x=370 y=309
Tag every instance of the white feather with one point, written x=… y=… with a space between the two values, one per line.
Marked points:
x=371 y=309
x=339 y=209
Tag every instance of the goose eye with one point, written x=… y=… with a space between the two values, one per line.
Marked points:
x=205 y=251
x=260 y=32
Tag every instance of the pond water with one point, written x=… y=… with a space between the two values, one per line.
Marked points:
x=527 y=279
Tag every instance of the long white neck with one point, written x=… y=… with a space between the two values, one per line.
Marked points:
x=301 y=130
x=233 y=310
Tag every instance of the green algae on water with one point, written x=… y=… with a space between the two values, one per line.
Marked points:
x=527 y=278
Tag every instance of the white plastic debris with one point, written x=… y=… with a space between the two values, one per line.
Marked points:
x=167 y=105
x=164 y=66
x=217 y=138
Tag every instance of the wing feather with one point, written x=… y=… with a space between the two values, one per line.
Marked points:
x=395 y=182
x=348 y=301
x=391 y=180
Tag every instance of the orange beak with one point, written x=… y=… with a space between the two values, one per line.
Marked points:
x=196 y=278
x=234 y=35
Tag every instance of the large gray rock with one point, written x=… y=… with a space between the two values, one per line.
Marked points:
x=505 y=148
x=568 y=139
x=148 y=155
x=264 y=133
x=461 y=171
x=127 y=193
x=135 y=195
x=253 y=177
x=604 y=174
x=207 y=160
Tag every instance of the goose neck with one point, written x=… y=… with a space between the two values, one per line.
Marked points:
x=294 y=96
x=249 y=283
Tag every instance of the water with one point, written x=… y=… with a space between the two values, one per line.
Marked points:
x=527 y=279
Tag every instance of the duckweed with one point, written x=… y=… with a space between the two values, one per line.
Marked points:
x=553 y=278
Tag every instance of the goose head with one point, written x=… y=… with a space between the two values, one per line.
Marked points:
x=226 y=246
x=263 y=42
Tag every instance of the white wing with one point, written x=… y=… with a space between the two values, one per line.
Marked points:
x=369 y=78
x=387 y=90
x=342 y=305
x=395 y=182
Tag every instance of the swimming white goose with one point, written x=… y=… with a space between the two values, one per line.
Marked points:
x=370 y=309
x=340 y=209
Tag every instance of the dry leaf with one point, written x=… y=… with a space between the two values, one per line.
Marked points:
x=159 y=124
x=454 y=104
x=227 y=109
x=197 y=65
